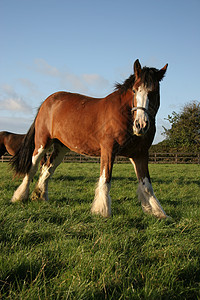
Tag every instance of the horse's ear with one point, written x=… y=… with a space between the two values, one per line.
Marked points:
x=161 y=72
x=137 y=68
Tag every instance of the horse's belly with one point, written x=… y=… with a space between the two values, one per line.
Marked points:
x=86 y=150
x=79 y=142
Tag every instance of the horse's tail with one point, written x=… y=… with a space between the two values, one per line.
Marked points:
x=21 y=162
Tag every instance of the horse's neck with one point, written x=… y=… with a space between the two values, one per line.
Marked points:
x=127 y=99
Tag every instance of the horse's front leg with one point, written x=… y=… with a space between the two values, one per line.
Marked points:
x=102 y=201
x=149 y=202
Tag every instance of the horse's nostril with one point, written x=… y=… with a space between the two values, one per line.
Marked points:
x=146 y=126
x=137 y=124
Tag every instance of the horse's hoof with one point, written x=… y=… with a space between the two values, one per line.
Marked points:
x=38 y=195
x=14 y=200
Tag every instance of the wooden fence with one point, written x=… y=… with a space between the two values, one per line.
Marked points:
x=155 y=158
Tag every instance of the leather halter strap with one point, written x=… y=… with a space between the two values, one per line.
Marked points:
x=144 y=109
x=150 y=114
x=139 y=107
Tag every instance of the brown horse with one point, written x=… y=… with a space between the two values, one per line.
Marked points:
x=123 y=123
x=10 y=142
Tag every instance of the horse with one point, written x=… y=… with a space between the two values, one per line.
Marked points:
x=10 y=142
x=122 y=123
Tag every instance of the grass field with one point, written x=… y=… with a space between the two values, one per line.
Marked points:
x=58 y=250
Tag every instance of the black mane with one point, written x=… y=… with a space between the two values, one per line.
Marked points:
x=126 y=85
x=148 y=78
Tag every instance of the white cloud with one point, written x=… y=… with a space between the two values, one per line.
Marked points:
x=83 y=83
x=14 y=124
x=8 y=89
x=15 y=104
x=30 y=87
x=43 y=67
x=95 y=79
x=11 y=101
x=73 y=82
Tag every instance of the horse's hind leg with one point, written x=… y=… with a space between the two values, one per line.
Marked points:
x=22 y=192
x=47 y=170
x=149 y=202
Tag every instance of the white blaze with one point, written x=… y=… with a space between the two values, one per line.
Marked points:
x=142 y=97
x=142 y=101
x=141 y=123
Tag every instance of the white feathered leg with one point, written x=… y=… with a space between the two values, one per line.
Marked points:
x=41 y=189
x=22 y=191
x=102 y=201
x=146 y=196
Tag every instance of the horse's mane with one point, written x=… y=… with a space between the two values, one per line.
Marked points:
x=148 y=77
x=126 y=85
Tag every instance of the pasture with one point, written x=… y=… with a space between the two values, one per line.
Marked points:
x=59 y=250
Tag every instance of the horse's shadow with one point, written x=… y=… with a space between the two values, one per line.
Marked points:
x=75 y=178
x=67 y=178
x=179 y=181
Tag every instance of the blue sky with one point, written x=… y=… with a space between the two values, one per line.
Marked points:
x=86 y=46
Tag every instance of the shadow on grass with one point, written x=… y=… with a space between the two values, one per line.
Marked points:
x=29 y=273
x=74 y=178
x=121 y=178
x=179 y=181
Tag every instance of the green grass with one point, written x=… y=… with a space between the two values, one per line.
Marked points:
x=58 y=250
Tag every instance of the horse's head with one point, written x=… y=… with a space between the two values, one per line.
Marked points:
x=146 y=99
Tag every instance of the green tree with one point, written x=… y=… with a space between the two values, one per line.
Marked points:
x=184 y=133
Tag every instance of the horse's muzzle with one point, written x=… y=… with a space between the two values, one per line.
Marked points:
x=141 y=123
x=140 y=127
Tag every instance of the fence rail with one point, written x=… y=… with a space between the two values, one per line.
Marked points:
x=175 y=158
x=155 y=158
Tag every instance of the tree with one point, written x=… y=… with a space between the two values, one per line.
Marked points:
x=184 y=134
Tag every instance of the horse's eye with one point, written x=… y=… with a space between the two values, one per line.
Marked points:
x=134 y=91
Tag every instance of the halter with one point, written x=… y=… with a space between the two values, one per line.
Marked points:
x=139 y=107
x=134 y=108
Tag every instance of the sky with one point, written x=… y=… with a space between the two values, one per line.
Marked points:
x=87 y=46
